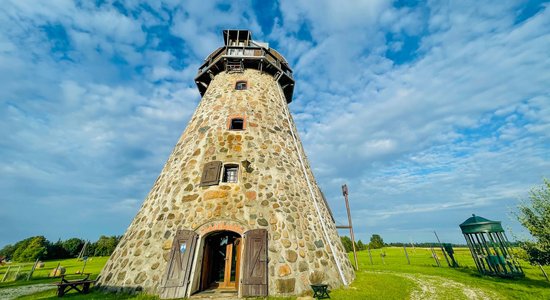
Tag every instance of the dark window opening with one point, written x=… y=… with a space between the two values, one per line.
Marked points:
x=230 y=173
x=241 y=85
x=237 y=124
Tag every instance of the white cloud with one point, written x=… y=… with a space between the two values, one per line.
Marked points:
x=93 y=99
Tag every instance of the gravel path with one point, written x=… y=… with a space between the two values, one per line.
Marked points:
x=12 y=293
x=437 y=287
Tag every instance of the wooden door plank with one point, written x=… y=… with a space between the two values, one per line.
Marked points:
x=178 y=271
x=254 y=273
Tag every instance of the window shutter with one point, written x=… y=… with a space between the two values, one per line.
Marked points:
x=211 y=173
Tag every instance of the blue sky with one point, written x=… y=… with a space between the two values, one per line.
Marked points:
x=429 y=111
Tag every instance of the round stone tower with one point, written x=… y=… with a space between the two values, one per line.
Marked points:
x=236 y=207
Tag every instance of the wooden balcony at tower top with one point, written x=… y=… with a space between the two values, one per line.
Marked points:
x=241 y=52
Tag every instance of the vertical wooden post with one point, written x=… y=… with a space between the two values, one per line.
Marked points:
x=406 y=254
x=370 y=256
x=345 y=193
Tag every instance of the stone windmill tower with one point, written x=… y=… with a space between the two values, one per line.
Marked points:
x=236 y=207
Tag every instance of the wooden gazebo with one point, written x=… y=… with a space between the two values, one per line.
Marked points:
x=490 y=247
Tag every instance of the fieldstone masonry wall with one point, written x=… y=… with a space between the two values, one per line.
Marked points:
x=271 y=193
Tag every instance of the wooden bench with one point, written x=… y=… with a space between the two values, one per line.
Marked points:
x=66 y=285
x=320 y=291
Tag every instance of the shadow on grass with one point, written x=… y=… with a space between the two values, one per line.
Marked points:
x=525 y=281
x=95 y=293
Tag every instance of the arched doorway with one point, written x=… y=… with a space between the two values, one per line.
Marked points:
x=221 y=261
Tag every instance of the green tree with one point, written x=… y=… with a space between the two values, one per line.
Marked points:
x=56 y=250
x=8 y=251
x=360 y=245
x=376 y=241
x=106 y=245
x=534 y=214
x=346 y=242
x=73 y=246
x=31 y=249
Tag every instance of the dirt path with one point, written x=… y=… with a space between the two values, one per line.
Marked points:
x=14 y=292
x=437 y=287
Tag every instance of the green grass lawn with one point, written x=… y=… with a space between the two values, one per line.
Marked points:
x=392 y=279
x=374 y=281
x=93 y=266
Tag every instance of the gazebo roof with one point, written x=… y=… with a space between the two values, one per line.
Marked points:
x=477 y=224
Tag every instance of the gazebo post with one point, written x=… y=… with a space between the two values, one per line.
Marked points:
x=472 y=251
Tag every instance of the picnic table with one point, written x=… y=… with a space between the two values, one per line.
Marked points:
x=320 y=291
x=81 y=285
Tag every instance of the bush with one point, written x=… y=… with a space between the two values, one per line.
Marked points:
x=534 y=214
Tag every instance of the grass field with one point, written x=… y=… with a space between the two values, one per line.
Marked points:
x=396 y=279
x=40 y=279
x=392 y=279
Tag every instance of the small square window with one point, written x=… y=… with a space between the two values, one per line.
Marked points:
x=241 y=85
x=230 y=173
x=236 y=124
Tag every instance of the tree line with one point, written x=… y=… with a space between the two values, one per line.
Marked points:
x=38 y=247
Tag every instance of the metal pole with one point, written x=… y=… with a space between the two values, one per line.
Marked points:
x=406 y=254
x=443 y=250
x=345 y=193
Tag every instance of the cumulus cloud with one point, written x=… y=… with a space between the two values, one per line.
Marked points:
x=429 y=112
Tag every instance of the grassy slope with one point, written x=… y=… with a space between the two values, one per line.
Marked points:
x=369 y=283
x=377 y=281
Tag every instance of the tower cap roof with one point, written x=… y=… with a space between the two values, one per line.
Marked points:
x=477 y=224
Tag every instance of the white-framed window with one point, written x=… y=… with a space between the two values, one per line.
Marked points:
x=230 y=173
